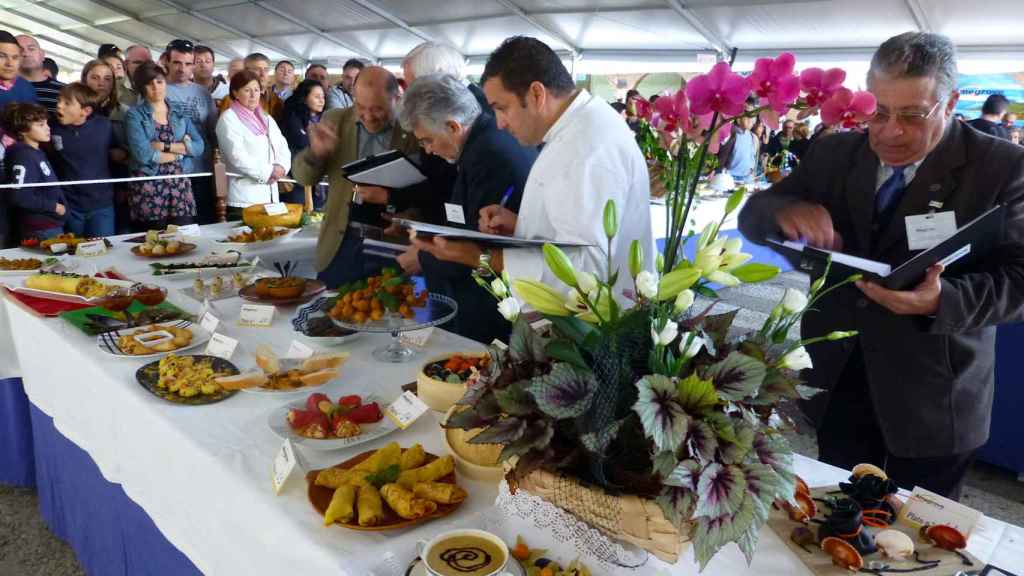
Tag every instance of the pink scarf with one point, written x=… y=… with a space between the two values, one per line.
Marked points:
x=253 y=119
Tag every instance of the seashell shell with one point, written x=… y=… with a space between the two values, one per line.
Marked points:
x=801 y=486
x=946 y=537
x=894 y=544
x=843 y=553
x=863 y=469
x=804 y=510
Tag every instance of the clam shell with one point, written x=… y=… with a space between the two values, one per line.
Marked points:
x=863 y=469
x=843 y=553
x=894 y=544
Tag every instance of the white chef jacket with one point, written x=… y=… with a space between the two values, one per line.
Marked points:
x=590 y=156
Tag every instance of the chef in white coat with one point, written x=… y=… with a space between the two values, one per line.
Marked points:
x=588 y=156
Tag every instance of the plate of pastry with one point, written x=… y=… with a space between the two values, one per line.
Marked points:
x=26 y=266
x=286 y=376
x=386 y=489
x=189 y=379
x=320 y=423
x=161 y=248
x=69 y=287
x=152 y=341
x=245 y=237
x=282 y=291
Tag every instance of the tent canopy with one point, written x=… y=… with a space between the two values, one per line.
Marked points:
x=676 y=33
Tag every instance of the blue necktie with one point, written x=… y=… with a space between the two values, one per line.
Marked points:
x=890 y=191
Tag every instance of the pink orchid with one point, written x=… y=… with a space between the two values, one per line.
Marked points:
x=642 y=108
x=697 y=127
x=670 y=111
x=819 y=85
x=774 y=82
x=720 y=90
x=847 y=108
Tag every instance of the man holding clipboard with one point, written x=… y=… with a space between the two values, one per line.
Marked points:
x=913 y=392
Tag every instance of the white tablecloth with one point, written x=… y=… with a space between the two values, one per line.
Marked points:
x=203 y=473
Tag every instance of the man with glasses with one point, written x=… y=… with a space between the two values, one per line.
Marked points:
x=194 y=101
x=912 y=393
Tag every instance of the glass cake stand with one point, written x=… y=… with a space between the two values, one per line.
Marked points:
x=439 y=309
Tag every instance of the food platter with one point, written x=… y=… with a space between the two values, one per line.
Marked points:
x=311 y=320
x=71 y=298
x=320 y=498
x=183 y=248
x=110 y=342
x=312 y=288
x=48 y=264
x=285 y=234
x=149 y=375
x=71 y=245
x=277 y=419
x=211 y=265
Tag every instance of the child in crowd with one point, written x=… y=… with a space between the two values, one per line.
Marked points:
x=39 y=211
x=13 y=88
x=80 y=150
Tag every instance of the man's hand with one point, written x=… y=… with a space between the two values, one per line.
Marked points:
x=322 y=140
x=496 y=219
x=410 y=261
x=277 y=174
x=466 y=253
x=371 y=194
x=810 y=222
x=923 y=300
x=60 y=210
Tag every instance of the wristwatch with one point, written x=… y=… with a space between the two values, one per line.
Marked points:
x=483 y=268
x=167 y=147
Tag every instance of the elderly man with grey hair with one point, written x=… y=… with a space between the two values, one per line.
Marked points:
x=436 y=58
x=912 y=393
x=492 y=169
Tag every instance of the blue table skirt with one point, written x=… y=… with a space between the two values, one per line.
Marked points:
x=110 y=534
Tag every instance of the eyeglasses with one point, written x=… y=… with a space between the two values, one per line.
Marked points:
x=180 y=45
x=881 y=118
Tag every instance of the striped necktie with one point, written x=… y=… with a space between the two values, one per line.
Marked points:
x=890 y=191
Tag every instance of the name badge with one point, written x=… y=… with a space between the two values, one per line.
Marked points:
x=256 y=316
x=299 y=351
x=221 y=346
x=94 y=248
x=455 y=213
x=926 y=230
x=284 y=464
x=406 y=409
x=275 y=209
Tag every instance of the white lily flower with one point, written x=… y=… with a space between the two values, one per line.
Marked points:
x=794 y=301
x=498 y=287
x=707 y=260
x=684 y=300
x=574 y=301
x=797 y=359
x=717 y=246
x=733 y=245
x=586 y=282
x=510 y=308
x=724 y=278
x=690 y=348
x=734 y=260
x=667 y=334
x=647 y=284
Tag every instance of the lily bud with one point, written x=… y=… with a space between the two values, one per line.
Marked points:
x=611 y=219
x=498 y=287
x=541 y=297
x=659 y=263
x=817 y=284
x=797 y=359
x=793 y=301
x=509 y=308
x=839 y=334
x=647 y=284
x=676 y=281
x=559 y=264
x=636 y=258
x=586 y=282
x=690 y=344
x=684 y=300
x=724 y=278
x=667 y=334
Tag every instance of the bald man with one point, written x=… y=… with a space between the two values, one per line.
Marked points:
x=31 y=69
x=342 y=136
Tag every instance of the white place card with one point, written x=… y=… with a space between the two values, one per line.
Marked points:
x=240 y=230
x=94 y=248
x=58 y=248
x=417 y=338
x=167 y=236
x=299 y=351
x=284 y=464
x=256 y=316
x=275 y=209
x=192 y=230
x=221 y=346
x=924 y=507
x=406 y=409
x=208 y=321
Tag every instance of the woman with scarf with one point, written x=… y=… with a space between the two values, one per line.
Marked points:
x=252 y=147
x=303 y=107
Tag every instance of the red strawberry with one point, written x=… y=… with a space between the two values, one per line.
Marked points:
x=350 y=401
x=366 y=414
x=300 y=419
x=314 y=400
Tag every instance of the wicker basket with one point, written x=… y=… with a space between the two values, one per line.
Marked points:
x=632 y=519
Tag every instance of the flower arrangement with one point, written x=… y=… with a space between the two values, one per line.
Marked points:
x=648 y=396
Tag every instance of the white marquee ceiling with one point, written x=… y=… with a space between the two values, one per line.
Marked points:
x=641 y=31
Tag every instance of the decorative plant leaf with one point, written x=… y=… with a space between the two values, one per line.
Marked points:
x=385 y=476
x=487 y=407
x=665 y=462
x=529 y=462
x=720 y=490
x=685 y=475
x=503 y=431
x=474 y=392
x=466 y=420
x=514 y=400
x=773 y=451
x=525 y=344
x=705 y=292
x=712 y=533
x=565 y=392
x=723 y=426
x=696 y=395
x=748 y=541
x=677 y=504
x=755 y=272
x=537 y=435
x=737 y=450
x=597 y=442
x=763 y=486
x=717 y=326
x=701 y=441
x=663 y=419
x=737 y=377
x=566 y=351
x=777 y=385
x=807 y=392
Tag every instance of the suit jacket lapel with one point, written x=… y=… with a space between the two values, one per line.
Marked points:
x=860 y=195
x=933 y=181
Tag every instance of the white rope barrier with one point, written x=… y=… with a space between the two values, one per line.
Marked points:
x=136 y=179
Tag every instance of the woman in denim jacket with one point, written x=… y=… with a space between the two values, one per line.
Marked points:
x=158 y=141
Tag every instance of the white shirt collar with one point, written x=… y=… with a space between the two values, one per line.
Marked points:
x=564 y=121
x=885 y=171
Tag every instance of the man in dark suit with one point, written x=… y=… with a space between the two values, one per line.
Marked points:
x=913 y=392
x=492 y=169
x=991 y=120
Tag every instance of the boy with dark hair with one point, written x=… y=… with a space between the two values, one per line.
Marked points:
x=40 y=211
x=80 y=150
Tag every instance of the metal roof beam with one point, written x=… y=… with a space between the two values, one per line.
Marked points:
x=79 y=20
x=691 y=18
x=539 y=26
x=318 y=32
x=385 y=14
x=920 y=18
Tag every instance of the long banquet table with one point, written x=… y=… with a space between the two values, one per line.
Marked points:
x=197 y=479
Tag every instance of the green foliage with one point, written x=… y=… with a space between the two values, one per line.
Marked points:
x=385 y=476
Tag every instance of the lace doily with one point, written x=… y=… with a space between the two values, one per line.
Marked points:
x=567 y=531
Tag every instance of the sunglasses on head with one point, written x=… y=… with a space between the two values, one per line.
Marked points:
x=181 y=46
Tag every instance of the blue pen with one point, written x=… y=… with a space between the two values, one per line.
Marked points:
x=507 y=195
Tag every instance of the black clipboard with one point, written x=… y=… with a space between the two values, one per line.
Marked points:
x=391 y=169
